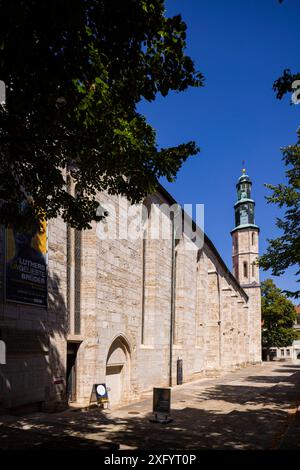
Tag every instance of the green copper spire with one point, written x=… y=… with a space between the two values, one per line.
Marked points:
x=244 y=207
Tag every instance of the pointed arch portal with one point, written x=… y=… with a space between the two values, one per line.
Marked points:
x=118 y=370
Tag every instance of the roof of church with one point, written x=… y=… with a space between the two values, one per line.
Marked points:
x=207 y=240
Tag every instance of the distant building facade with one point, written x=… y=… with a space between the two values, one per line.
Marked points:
x=124 y=312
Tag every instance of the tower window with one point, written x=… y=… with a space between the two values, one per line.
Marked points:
x=245 y=268
x=236 y=243
x=253 y=269
x=253 y=238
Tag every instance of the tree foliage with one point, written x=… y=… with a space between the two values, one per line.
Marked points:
x=284 y=84
x=278 y=315
x=75 y=71
x=284 y=251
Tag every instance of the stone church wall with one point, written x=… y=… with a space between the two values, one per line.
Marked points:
x=125 y=298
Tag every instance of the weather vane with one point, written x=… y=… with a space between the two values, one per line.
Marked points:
x=243 y=169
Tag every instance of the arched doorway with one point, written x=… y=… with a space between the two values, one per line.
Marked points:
x=118 y=371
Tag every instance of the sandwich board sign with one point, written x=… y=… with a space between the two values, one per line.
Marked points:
x=161 y=400
x=2 y=352
x=99 y=394
x=2 y=93
x=161 y=405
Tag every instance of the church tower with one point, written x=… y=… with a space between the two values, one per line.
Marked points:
x=245 y=239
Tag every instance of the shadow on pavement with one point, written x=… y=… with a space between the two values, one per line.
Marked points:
x=32 y=439
x=221 y=416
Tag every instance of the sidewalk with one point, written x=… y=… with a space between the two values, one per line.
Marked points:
x=253 y=408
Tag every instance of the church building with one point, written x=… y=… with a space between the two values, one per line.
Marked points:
x=131 y=312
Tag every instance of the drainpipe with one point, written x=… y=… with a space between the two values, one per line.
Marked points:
x=172 y=296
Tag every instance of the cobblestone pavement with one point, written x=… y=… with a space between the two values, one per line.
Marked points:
x=252 y=408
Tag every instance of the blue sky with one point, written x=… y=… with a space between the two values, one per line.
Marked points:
x=241 y=47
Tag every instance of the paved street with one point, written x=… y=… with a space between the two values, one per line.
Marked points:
x=253 y=408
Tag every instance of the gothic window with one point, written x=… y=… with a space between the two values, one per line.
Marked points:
x=145 y=245
x=77 y=282
x=253 y=238
x=73 y=274
x=175 y=319
x=77 y=277
x=253 y=269
x=143 y=285
x=201 y=299
x=245 y=267
x=70 y=278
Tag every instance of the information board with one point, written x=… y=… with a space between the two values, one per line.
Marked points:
x=161 y=400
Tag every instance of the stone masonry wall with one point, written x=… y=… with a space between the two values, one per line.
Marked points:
x=125 y=302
